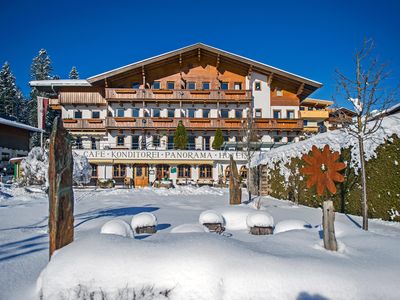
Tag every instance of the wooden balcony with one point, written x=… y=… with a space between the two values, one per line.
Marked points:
x=129 y=95
x=314 y=114
x=201 y=124
x=84 y=124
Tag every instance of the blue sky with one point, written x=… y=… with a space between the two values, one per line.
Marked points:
x=309 y=38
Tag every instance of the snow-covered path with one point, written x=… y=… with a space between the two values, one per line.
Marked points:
x=24 y=242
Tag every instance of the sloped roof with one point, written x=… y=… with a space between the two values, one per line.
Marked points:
x=19 y=125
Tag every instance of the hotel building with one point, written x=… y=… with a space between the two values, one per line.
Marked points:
x=124 y=120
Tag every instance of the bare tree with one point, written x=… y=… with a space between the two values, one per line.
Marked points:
x=370 y=96
x=250 y=143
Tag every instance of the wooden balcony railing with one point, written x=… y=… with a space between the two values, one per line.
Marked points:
x=125 y=94
x=202 y=124
x=84 y=124
x=314 y=114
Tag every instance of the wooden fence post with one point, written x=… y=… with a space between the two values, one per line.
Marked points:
x=61 y=195
x=328 y=223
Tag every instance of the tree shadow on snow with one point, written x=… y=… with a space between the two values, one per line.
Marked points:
x=353 y=221
x=307 y=296
x=23 y=247
x=115 y=212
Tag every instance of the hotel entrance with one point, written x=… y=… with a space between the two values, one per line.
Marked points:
x=162 y=171
x=141 y=175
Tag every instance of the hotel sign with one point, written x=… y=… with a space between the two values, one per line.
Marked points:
x=147 y=155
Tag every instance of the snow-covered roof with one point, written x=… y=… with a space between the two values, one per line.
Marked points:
x=60 y=82
x=19 y=125
x=249 y=61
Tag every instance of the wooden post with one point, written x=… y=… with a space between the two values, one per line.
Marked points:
x=328 y=223
x=235 y=191
x=61 y=195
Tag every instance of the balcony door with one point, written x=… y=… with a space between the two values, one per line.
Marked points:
x=141 y=175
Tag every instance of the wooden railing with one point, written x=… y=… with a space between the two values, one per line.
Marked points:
x=199 y=123
x=314 y=114
x=125 y=94
x=84 y=124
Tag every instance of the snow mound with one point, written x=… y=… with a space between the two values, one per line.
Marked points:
x=143 y=219
x=288 y=225
x=187 y=228
x=235 y=217
x=117 y=227
x=210 y=216
x=261 y=219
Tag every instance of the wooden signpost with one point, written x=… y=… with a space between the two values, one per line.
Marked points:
x=61 y=195
x=322 y=170
x=235 y=191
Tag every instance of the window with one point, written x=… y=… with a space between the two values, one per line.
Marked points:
x=238 y=113
x=94 y=170
x=290 y=114
x=277 y=139
x=257 y=86
x=226 y=138
x=206 y=143
x=206 y=86
x=170 y=144
x=301 y=107
x=237 y=86
x=78 y=143
x=290 y=139
x=135 y=142
x=309 y=108
x=225 y=113
x=191 y=113
x=305 y=122
x=156 y=140
x=5 y=156
x=279 y=92
x=95 y=114
x=171 y=113
x=181 y=113
x=206 y=113
x=77 y=114
x=162 y=171
x=224 y=85
x=119 y=170
x=184 y=171
x=277 y=114
x=156 y=85
x=205 y=171
x=94 y=143
x=191 y=85
x=120 y=140
x=135 y=112
x=170 y=85
x=120 y=112
x=146 y=113
x=156 y=112
x=143 y=142
x=191 y=142
x=135 y=85
x=258 y=113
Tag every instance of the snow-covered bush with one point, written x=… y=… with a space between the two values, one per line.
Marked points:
x=82 y=169
x=36 y=165
x=211 y=217
x=288 y=225
x=260 y=219
x=117 y=227
x=144 y=219
x=187 y=228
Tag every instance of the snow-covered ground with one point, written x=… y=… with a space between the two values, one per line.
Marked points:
x=190 y=264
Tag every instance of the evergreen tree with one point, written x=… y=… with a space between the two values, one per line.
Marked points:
x=218 y=140
x=11 y=98
x=73 y=74
x=41 y=69
x=180 y=137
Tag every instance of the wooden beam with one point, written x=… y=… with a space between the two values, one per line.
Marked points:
x=198 y=54
x=270 y=77
x=301 y=89
x=143 y=77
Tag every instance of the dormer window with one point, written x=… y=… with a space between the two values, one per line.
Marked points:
x=156 y=85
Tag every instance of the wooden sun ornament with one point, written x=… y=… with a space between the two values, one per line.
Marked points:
x=323 y=169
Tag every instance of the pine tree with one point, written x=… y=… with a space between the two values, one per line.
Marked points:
x=73 y=74
x=11 y=98
x=41 y=69
x=218 y=140
x=180 y=137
